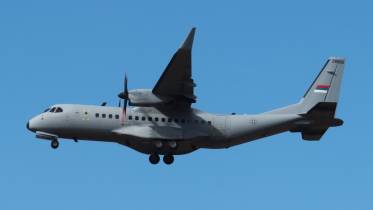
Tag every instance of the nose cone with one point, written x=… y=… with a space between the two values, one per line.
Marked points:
x=29 y=127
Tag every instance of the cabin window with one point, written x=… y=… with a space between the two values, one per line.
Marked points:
x=150 y=118
x=110 y=116
x=97 y=115
x=103 y=115
x=130 y=117
x=143 y=118
x=84 y=113
x=163 y=119
x=117 y=116
x=136 y=117
x=176 y=120
x=195 y=121
x=182 y=120
x=156 y=119
x=169 y=120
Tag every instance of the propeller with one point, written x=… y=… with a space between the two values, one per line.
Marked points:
x=124 y=95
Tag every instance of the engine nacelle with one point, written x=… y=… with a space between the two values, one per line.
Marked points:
x=145 y=97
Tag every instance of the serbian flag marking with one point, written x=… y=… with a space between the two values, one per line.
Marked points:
x=322 y=89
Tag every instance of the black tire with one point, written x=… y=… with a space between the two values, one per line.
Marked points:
x=168 y=159
x=55 y=144
x=154 y=159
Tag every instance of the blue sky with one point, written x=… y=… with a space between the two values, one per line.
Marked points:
x=249 y=57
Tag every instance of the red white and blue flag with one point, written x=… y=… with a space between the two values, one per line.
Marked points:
x=322 y=89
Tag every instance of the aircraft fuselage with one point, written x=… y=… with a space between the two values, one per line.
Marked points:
x=186 y=131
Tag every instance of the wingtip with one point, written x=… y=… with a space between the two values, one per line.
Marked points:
x=188 y=43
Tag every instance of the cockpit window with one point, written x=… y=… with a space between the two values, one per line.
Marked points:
x=55 y=109
x=46 y=110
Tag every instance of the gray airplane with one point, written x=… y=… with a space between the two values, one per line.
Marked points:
x=161 y=120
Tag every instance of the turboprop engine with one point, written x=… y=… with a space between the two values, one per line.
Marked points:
x=143 y=97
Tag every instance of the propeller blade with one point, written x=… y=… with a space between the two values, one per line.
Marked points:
x=124 y=96
x=125 y=107
x=126 y=86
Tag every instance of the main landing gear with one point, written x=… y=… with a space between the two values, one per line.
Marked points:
x=167 y=159
x=154 y=159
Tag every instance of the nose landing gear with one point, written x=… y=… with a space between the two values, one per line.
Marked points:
x=55 y=144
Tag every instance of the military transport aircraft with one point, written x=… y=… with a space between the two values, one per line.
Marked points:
x=161 y=120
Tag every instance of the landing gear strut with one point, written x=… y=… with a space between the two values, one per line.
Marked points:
x=154 y=158
x=168 y=159
x=55 y=144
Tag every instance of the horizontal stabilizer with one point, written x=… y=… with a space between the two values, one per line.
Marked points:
x=313 y=135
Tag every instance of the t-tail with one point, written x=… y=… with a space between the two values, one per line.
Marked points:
x=318 y=105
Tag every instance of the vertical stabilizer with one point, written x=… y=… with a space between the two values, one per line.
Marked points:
x=318 y=105
x=326 y=86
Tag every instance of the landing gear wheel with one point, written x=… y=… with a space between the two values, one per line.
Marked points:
x=154 y=158
x=168 y=159
x=55 y=144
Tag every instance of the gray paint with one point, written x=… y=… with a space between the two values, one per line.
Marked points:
x=73 y=122
x=171 y=98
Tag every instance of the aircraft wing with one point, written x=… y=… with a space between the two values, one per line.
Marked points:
x=150 y=132
x=176 y=81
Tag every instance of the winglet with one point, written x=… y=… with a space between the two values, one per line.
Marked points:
x=188 y=43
